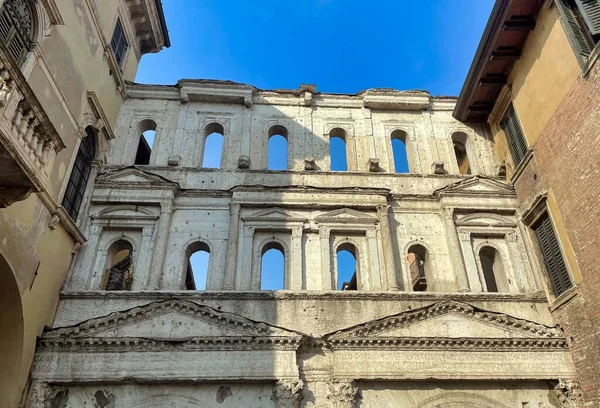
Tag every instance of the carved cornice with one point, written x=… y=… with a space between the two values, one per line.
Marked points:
x=140 y=344
x=448 y=343
x=53 y=12
x=99 y=114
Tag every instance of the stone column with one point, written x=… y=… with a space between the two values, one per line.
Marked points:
x=296 y=260
x=232 y=247
x=470 y=262
x=376 y=280
x=325 y=259
x=141 y=268
x=287 y=394
x=391 y=278
x=160 y=246
x=454 y=250
x=250 y=277
x=83 y=270
x=343 y=394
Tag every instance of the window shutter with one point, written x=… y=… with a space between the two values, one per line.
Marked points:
x=575 y=35
x=553 y=259
x=514 y=133
x=590 y=10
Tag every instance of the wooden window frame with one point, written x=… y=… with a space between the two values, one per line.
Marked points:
x=515 y=136
x=119 y=44
x=80 y=173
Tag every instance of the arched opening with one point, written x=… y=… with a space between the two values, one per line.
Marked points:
x=418 y=260
x=147 y=132
x=213 y=146
x=399 y=151
x=80 y=174
x=337 y=150
x=459 y=141
x=119 y=266
x=346 y=264
x=11 y=334
x=493 y=269
x=17 y=28
x=277 y=153
x=197 y=261
x=272 y=267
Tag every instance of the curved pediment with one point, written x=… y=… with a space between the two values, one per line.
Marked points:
x=127 y=211
x=485 y=220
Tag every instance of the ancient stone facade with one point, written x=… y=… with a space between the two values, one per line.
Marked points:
x=461 y=343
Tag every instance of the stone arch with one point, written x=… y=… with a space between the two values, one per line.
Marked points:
x=212 y=131
x=353 y=249
x=463 y=151
x=397 y=154
x=11 y=332
x=192 y=247
x=275 y=132
x=420 y=266
x=119 y=263
x=265 y=245
x=341 y=156
x=144 y=149
x=460 y=400
x=501 y=270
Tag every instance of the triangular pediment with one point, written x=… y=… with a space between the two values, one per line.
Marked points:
x=169 y=320
x=131 y=175
x=275 y=214
x=448 y=319
x=346 y=215
x=476 y=185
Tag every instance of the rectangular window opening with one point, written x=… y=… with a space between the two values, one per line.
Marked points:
x=514 y=134
x=119 y=43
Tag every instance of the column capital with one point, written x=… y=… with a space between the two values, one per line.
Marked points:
x=448 y=212
x=343 y=394
x=249 y=231
x=287 y=393
x=166 y=207
x=297 y=232
x=324 y=233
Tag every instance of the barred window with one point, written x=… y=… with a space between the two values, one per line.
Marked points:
x=119 y=43
x=80 y=174
x=553 y=259
x=17 y=26
x=514 y=133
x=581 y=21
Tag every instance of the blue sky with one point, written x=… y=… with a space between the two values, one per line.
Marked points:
x=342 y=46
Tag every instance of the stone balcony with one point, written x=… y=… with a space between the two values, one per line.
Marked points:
x=28 y=140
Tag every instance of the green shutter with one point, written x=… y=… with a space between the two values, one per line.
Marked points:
x=553 y=259
x=574 y=33
x=590 y=11
x=514 y=134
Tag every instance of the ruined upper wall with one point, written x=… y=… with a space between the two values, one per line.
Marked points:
x=367 y=120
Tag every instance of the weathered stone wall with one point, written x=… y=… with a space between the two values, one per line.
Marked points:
x=308 y=345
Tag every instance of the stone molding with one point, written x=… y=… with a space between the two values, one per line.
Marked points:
x=476 y=186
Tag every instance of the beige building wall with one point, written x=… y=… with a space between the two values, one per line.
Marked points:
x=70 y=72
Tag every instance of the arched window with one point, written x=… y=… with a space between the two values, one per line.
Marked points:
x=147 y=132
x=277 y=154
x=337 y=150
x=119 y=266
x=399 y=150
x=213 y=146
x=459 y=141
x=493 y=270
x=346 y=267
x=80 y=174
x=418 y=260
x=17 y=28
x=272 y=267
x=197 y=261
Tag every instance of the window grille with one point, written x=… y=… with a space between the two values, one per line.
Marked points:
x=514 y=133
x=17 y=28
x=553 y=259
x=119 y=43
x=79 y=175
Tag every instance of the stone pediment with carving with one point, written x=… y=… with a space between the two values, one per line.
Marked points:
x=485 y=220
x=346 y=216
x=131 y=176
x=476 y=185
x=275 y=214
x=173 y=321
x=450 y=324
x=126 y=212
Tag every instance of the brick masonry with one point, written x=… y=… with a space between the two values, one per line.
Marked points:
x=567 y=161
